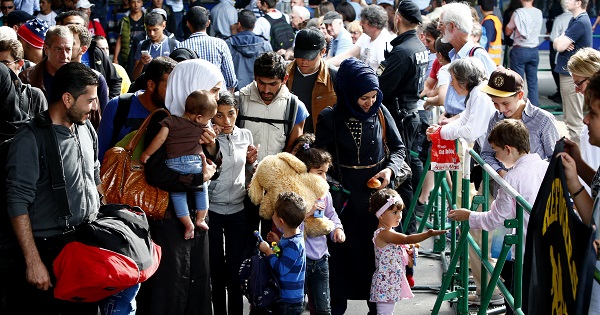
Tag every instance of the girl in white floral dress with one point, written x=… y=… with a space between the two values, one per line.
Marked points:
x=389 y=284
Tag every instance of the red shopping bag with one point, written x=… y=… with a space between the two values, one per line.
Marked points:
x=443 y=154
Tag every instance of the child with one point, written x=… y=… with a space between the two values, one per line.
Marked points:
x=389 y=284
x=318 y=162
x=510 y=141
x=290 y=267
x=226 y=210
x=155 y=45
x=184 y=153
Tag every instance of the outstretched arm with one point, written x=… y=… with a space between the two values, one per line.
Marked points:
x=158 y=141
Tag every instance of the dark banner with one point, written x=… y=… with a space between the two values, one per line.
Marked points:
x=559 y=258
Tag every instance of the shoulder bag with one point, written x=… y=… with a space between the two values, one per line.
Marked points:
x=404 y=172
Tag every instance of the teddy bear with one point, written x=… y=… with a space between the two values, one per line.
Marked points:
x=285 y=172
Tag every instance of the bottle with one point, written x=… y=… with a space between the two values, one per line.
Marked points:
x=275 y=248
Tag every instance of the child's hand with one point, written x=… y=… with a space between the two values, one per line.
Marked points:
x=436 y=232
x=459 y=215
x=339 y=236
x=252 y=154
x=272 y=237
x=144 y=157
x=265 y=248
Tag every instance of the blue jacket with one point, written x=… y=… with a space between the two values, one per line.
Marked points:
x=245 y=47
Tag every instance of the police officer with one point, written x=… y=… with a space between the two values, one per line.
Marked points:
x=401 y=79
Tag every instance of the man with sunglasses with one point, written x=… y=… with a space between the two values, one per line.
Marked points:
x=6 y=6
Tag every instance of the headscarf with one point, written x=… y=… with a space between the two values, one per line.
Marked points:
x=187 y=77
x=355 y=79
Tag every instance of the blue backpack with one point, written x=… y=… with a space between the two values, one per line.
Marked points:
x=259 y=283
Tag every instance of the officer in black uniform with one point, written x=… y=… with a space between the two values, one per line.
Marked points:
x=401 y=79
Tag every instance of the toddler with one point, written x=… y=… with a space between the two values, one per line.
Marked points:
x=389 y=284
x=181 y=136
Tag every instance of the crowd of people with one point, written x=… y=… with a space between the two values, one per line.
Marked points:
x=325 y=83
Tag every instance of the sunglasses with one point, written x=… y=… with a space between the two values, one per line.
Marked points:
x=6 y=8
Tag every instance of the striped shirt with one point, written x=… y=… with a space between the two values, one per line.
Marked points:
x=290 y=268
x=542 y=134
x=215 y=51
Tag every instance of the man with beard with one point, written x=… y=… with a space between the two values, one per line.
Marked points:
x=126 y=113
x=37 y=215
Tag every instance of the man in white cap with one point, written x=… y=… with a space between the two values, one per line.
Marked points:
x=94 y=25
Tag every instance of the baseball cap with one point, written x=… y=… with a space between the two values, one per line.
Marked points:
x=159 y=11
x=503 y=83
x=330 y=16
x=85 y=4
x=309 y=42
x=34 y=32
x=410 y=11
x=390 y=2
x=17 y=16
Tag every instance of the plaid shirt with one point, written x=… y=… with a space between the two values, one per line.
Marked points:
x=214 y=50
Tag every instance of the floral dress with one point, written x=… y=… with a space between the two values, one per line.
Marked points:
x=389 y=282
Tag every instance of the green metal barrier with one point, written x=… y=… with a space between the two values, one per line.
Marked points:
x=455 y=281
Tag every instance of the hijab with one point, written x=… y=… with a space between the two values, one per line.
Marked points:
x=187 y=77
x=355 y=79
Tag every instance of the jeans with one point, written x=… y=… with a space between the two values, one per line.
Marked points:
x=188 y=164
x=122 y=303
x=525 y=61
x=288 y=308
x=317 y=285
x=225 y=261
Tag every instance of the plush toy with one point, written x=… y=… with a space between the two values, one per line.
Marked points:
x=285 y=172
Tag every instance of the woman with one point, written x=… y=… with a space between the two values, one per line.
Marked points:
x=582 y=66
x=351 y=132
x=181 y=285
x=355 y=30
x=468 y=76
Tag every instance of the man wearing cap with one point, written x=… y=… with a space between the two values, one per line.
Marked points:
x=155 y=45
x=505 y=87
x=17 y=18
x=32 y=35
x=245 y=47
x=168 y=13
x=225 y=17
x=342 y=40
x=6 y=6
x=94 y=25
x=310 y=77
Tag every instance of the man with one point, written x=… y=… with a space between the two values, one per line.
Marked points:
x=32 y=36
x=209 y=48
x=435 y=11
x=225 y=18
x=456 y=24
x=263 y=25
x=11 y=54
x=526 y=24
x=342 y=40
x=94 y=25
x=142 y=104
x=299 y=17
x=6 y=6
x=370 y=46
x=37 y=216
x=493 y=30
x=17 y=18
x=310 y=77
x=156 y=45
x=577 y=36
x=245 y=47
x=263 y=104
x=93 y=57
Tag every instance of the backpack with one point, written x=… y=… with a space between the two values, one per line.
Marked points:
x=288 y=123
x=111 y=254
x=282 y=33
x=259 y=284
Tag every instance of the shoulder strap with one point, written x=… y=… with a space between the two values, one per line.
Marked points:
x=292 y=108
x=141 y=131
x=337 y=152
x=473 y=50
x=123 y=107
x=383 y=126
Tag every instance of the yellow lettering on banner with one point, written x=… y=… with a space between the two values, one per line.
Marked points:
x=558 y=302
x=551 y=214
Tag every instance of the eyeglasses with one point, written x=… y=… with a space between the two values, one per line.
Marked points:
x=578 y=84
x=8 y=63
x=6 y=7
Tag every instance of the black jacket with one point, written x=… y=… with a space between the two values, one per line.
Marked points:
x=100 y=62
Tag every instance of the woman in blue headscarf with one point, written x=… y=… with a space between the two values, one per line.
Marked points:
x=352 y=132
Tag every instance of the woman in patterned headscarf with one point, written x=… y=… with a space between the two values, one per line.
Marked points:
x=352 y=132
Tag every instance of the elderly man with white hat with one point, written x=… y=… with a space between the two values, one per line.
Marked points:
x=94 y=25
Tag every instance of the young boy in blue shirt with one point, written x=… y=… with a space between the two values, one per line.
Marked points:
x=290 y=267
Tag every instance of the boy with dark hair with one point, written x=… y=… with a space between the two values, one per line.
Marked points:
x=290 y=267
x=155 y=45
x=131 y=26
x=510 y=141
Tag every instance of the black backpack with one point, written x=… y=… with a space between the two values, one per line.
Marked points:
x=259 y=283
x=282 y=33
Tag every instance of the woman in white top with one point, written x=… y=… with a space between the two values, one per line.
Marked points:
x=468 y=75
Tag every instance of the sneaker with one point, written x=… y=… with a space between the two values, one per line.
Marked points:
x=497 y=299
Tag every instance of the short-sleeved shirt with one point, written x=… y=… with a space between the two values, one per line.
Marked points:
x=526 y=20
x=372 y=52
x=223 y=15
x=341 y=44
x=579 y=32
x=183 y=138
x=156 y=50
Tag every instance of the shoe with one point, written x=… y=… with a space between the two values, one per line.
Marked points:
x=555 y=95
x=497 y=299
x=555 y=98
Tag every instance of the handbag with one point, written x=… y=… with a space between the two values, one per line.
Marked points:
x=404 y=172
x=124 y=180
x=339 y=194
